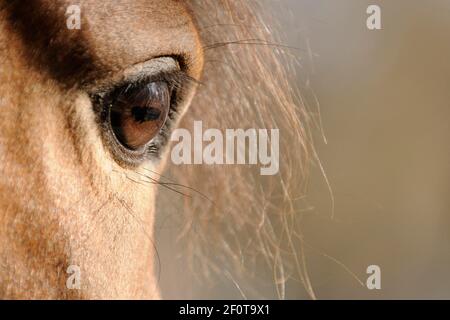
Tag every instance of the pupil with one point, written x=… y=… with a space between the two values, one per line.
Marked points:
x=143 y=114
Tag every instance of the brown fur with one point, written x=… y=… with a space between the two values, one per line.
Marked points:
x=64 y=200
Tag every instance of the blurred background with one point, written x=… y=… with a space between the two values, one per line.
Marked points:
x=384 y=100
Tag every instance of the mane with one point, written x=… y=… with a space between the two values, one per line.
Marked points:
x=238 y=219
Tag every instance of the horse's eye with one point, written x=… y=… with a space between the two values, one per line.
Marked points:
x=137 y=115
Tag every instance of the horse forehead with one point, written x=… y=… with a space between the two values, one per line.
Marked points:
x=138 y=30
x=111 y=36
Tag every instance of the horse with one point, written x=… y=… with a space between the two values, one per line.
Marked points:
x=86 y=118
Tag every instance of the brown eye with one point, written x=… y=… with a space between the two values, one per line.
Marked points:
x=138 y=115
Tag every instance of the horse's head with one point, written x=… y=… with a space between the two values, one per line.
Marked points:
x=89 y=93
x=85 y=114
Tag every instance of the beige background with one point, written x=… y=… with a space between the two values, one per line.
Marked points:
x=385 y=107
